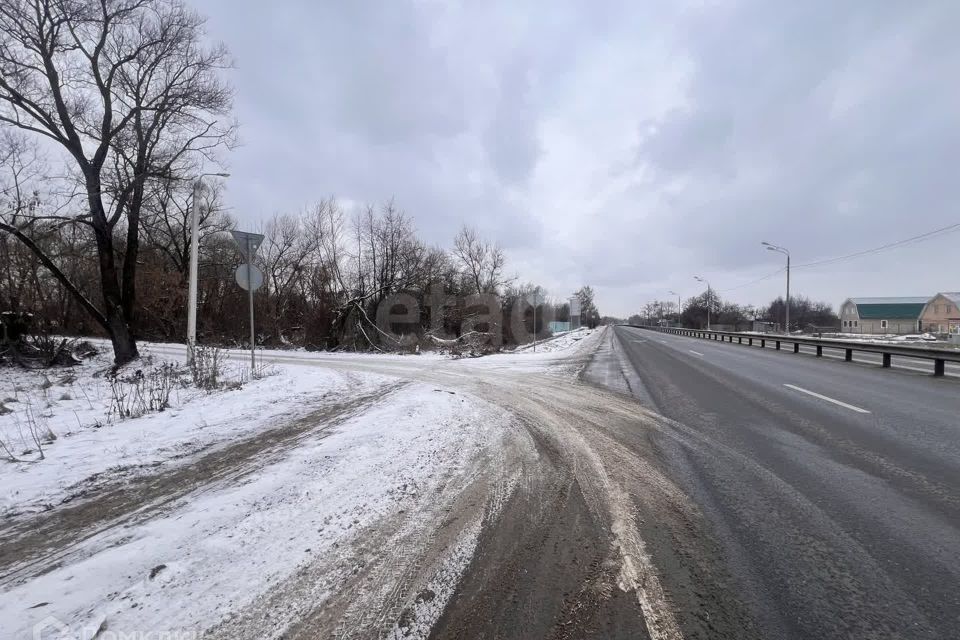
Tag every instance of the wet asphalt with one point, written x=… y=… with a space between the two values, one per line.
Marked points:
x=831 y=488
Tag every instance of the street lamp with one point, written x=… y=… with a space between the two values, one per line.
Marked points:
x=773 y=247
x=709 y=298
x=679 y=310
x=194 y=251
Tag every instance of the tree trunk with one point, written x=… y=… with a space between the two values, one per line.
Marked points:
x=124 y=345
x=118 y=322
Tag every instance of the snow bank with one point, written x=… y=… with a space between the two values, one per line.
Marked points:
x=209 y=558
x=74 y=405
x=561 y=341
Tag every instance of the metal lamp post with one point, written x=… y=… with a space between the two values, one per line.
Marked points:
x=709 y=298
x=773 y=247
x=194 y=251
x=679 y=310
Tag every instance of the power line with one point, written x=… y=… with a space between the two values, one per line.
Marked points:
x=892 y=245
x=747 y=284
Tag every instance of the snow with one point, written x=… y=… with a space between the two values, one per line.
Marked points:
x=250 y=554
x=74 y=404
x=222 y=548
x=561 y=341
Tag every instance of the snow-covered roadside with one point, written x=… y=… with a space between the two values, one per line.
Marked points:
x=74 y=405
x=207 y=560
x=921 y=340
x=560 y=341
x=381 y=512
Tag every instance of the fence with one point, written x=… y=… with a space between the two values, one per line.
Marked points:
x=940 y=357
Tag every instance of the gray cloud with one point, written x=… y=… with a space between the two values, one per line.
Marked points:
x=625 y=144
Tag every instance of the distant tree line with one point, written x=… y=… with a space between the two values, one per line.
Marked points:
x=804 y=313
x=326 y=274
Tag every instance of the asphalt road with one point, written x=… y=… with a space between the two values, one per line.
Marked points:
x=831 y=489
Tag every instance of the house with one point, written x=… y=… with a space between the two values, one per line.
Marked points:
x=942 y=314
x=882 y=315
x=763 y=326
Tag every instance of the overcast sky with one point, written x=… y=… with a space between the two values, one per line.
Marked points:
x=627 y=145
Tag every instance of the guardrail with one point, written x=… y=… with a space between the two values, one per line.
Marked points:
x=940 y=357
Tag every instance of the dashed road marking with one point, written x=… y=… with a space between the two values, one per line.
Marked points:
x=696 y=353
x=826 y=398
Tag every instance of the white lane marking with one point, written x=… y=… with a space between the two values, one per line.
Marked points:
x=696 y=353
x=827 y=398
x=664 y=341
x=638 y=341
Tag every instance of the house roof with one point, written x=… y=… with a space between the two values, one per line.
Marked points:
x=952 y=296
x=892 y=308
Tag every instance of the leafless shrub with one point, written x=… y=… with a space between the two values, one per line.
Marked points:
x=42 y=351
x=206 y=368
x=140 y=393
x=38 y=432
x=5 y=449
x=470 y=344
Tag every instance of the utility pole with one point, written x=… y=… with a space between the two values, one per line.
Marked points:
x=773 y=247
x=194 y=259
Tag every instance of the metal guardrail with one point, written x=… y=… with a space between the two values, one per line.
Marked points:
x=940 y=357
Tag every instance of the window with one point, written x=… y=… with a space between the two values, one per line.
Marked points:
x=855 y=323
x=883 y=324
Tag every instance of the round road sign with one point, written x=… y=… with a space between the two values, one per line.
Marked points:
x=255 y=277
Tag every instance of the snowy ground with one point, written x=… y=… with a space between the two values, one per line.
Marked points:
x=560 y=341
x=916 y=339
x=311 y=495
x=91 y=441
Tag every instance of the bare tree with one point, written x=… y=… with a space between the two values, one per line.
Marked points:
x=482 y=262
x=166 y=220
x=128 y=89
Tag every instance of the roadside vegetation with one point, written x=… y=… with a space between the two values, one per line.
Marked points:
x=804 y=313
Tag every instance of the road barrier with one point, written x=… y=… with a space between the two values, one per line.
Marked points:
x=940 y=357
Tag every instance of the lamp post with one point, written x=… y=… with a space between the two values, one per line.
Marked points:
x=194 y=251
x=709 y=298
x=679 y=310
x=773 y=247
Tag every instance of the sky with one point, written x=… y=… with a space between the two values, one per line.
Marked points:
x=626 y=145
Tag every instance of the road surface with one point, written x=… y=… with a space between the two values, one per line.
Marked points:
x=833 y=489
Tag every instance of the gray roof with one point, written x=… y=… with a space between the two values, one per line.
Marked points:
x=894 y=300
x=952 y=296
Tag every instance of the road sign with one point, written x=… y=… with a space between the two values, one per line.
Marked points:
x=251 y=279
x=248 y=275
x=535 y=299
x=248 y=243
